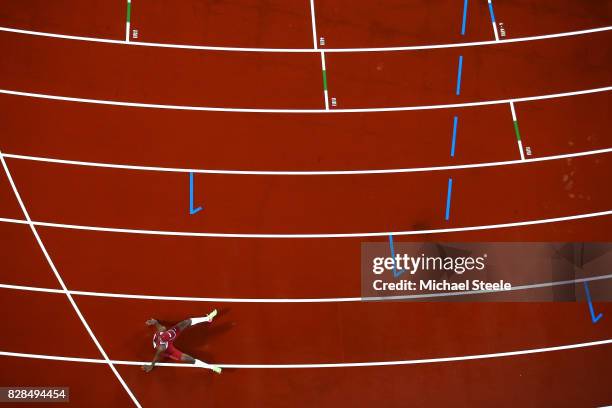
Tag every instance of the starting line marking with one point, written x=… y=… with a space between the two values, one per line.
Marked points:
x=324 y=365
x=301 y=236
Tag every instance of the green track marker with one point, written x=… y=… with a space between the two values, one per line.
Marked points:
x=127 y=20
x=516 y=130
x=324 y=80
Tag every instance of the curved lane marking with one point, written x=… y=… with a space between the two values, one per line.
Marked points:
x=257 y=110
x=324 y=365
x=303 y=173
x=306 y=50
x=300 y=236
x=296 y=300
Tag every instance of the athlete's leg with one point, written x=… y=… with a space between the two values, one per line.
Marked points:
x=183 y=324
x=208 y=318
x=186 y=358
x=195 y=320
x=199 y=363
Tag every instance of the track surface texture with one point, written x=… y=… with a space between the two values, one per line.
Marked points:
x=304 y=129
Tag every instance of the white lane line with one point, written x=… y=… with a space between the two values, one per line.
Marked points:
x=255 y=110
x=296 y=300
x=300 y=236
x=326 y=365
x=305 y=173
x=313 y=23
x=520 y=147
x=495 y=31
x=62 y=284
x=306 y=50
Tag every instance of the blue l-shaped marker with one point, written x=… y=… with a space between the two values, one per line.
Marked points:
x=594 y=318
x=191 y=209
x=396 y=273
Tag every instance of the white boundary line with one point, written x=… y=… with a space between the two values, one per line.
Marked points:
x=306 y=50
x=256 y=110
x=520 y=147
x=305 y=173
x=313 y=23
x=63 y=285
x=325 y=365
x=300 y=236
x=512 y=111
x=297 y=300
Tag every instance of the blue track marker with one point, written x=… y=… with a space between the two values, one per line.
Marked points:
x=191 y=209
x=448 y=198
x=396 y=273
x=465 y=7
x=455 y=120
x=594 y=318
x=491 y=12
x=493 y=19
x=459 y=75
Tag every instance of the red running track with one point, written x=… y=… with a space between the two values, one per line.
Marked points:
x=537 y=377
x=297 y=333
x=387 y=140
x=236 y=204
x=285 y=81
x=287 y=24
x=243 y=268
x=526 y=373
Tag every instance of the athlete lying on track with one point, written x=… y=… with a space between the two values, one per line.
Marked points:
x=163 y=342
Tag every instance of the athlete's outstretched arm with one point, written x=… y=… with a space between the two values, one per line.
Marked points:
x=154 y=322
x=148 y=367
